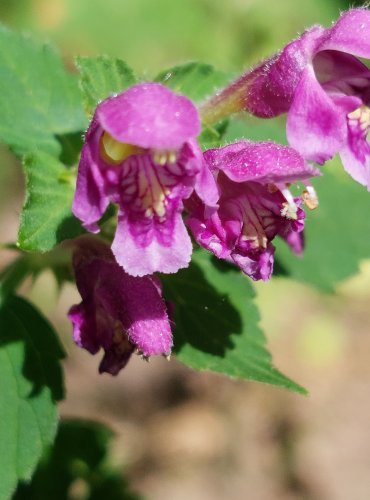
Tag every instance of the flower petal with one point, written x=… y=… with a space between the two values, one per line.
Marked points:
x=90 y=200
x=205 y=183
x=357 y=161
x=338 y=70
x=263 y=162
x=118 y=312
x=84 y=329
x=211 y=234
x=257 y=266
x=315 y=127
x=351 y=33
x=149 y=115
x=149 y=327
x=271 y=86
x=139 y=260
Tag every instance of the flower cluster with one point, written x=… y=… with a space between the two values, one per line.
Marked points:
x=141 y=154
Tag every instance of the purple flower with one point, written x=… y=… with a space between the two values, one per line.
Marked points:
x=319 y=80
x=140 y=153
x=119 y=313
x=255 y=204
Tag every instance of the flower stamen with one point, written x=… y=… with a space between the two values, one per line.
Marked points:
x=290 y=208
x=310 y=198
x=361 y=118
x=153 y=194
x=164 y=157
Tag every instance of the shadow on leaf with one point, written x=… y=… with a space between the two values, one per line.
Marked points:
x=69 y=228
x=76 y=467
x=37 y=351
x=203 y=317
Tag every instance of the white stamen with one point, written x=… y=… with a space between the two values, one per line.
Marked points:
x=289 y=209
x=310 y=198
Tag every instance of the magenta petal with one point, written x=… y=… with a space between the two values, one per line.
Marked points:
x=149 y=115
x=155 y=257
x=295 y=241
x=263 y=162
x=357 y=166
x=84 y=331
x=273 y=83
x=257 y=266
x=210 y=234
x=314 y=127
x=149 y=329
x=90 y=200
x=334 y=69
x=351 y=33
x=114 y=361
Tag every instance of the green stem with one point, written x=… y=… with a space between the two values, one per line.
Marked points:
x=232 y=99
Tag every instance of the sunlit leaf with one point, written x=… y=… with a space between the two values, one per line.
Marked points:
x=39 y=99
x=101 y=77
x=46 y=218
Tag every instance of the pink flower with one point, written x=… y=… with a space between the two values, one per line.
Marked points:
x=140 y=153
x=255 y=204
x=119 y=313
x=319 y=80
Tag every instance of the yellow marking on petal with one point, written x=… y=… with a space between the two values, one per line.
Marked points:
x=115 y=152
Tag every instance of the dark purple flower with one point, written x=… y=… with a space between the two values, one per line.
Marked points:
x=119 y=313
x=140 y=153
x=255 y=204
x=319 y=80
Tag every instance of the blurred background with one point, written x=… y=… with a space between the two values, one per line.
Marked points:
x=180 y=434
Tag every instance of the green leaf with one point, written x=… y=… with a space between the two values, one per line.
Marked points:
x=213 y=136
x=46 y=218
x=336 y=233
x=101 y=77
x=38 y=98
x=254 y=129
x=79 y=454
x=195 y=80
x=217 y=323
x=30 y=383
